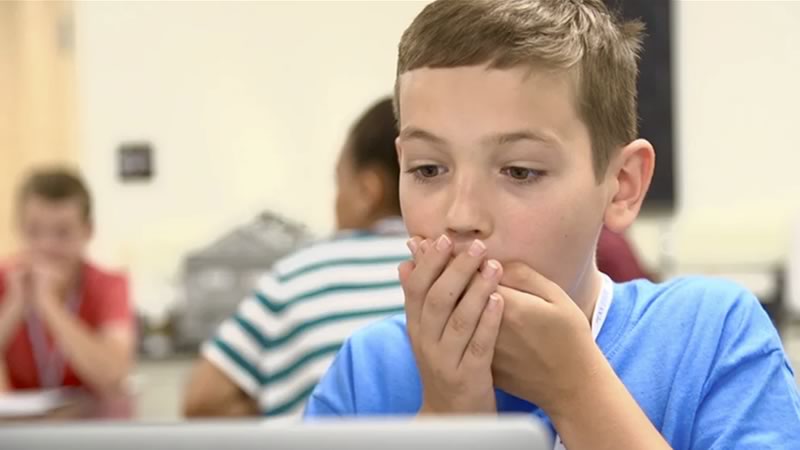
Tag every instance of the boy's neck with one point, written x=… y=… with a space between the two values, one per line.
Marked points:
x=587 y=295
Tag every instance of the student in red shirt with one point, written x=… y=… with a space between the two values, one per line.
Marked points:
x=63 y=321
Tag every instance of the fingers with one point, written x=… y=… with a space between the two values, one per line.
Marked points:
x=20 y=269
x=453 y=320
x=445 y=291
x=48 y=274
x=464 y=320
x=430 y=259
x=480 y=350
x=413 y=305
x=413 y=246
x=517 y=303
x=19 y=263
x=17 y=277
x=404 y=270
x=521 y=277
x=17 y=270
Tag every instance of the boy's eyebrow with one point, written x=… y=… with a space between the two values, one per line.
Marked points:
x=412 y=132
x=521 y=135
x=495 y=140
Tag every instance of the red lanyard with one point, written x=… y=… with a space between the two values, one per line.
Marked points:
x=49 y=361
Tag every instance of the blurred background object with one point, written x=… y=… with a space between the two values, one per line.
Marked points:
x=219 y=276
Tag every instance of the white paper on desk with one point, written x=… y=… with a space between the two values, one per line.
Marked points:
x=27 y=403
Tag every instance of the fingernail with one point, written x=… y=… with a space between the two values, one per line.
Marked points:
x=425 y=246
x=490 y=269
x=412 y=245
x=443 y=243
x=494 y=300
x=477 y=248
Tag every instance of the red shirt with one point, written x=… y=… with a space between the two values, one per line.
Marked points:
x=617 y=259
x=104 y=300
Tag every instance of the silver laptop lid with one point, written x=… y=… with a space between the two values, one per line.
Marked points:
x=456 y=433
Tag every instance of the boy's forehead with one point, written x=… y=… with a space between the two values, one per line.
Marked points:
x=488 y=100
x=62 y=208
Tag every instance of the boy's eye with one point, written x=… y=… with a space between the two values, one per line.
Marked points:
x=521 y=173
x=428 y=171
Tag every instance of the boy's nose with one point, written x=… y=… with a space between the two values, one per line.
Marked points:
x=468 y=217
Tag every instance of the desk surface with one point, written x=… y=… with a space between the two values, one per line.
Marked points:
x=83 y=405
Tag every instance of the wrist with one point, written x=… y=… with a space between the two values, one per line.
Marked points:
x=485 y=405
x=434 y=409
x=592 y=381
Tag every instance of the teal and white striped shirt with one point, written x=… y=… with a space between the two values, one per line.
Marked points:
x=284 y=337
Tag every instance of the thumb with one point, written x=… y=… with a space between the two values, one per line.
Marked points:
x=522 y=277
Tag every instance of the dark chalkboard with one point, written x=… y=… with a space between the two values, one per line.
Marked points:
x=655 y=94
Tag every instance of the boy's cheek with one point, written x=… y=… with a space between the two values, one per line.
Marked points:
x=417 y=225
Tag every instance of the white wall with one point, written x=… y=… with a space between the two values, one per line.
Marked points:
x=737 y=119
x=247 y=105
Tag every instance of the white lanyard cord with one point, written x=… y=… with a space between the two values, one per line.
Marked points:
x=598 y=319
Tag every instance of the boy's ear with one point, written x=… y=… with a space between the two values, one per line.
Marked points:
x=631 y=172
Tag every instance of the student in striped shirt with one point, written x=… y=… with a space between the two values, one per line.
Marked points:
x=268 y=357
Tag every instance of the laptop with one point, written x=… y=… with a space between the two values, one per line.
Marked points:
x=455 y=433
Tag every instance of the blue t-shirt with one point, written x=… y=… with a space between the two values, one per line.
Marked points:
x=699 y=355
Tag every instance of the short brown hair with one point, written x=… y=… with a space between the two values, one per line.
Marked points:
x=57 y=185
x=581 y=37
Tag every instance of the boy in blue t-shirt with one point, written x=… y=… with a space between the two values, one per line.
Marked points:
x=517 y=144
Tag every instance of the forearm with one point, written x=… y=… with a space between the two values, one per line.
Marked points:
x=239 y=406
x=605 y=416
x=98 y=361
x=11 y=313
x=5 y=386
x=210 y=393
